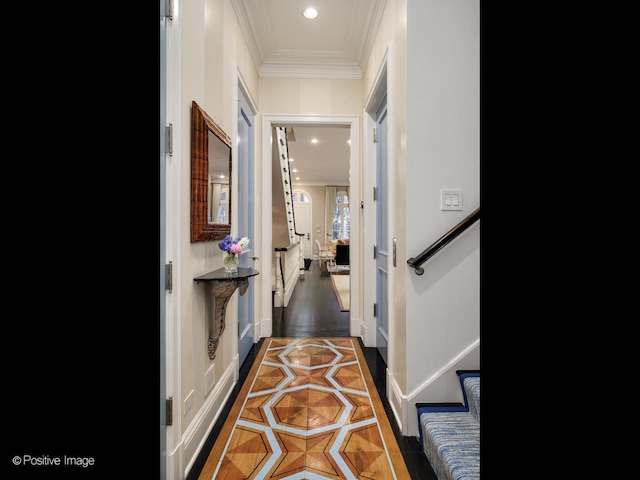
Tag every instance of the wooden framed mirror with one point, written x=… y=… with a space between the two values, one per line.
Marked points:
x=210 y=178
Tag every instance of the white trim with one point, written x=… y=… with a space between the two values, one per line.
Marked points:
x=173 y=246
x=396 y=401
x=282 y=70
x=204 y=421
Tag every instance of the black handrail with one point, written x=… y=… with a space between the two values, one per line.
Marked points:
x=415 y=262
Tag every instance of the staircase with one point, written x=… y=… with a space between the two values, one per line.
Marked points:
x=450 y=432
x=282 y=145
x=286 y=259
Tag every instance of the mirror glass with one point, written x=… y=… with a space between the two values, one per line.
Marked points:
x=218 y=210
x=210 y=178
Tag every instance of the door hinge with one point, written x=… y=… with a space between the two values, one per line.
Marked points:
x=169 y=404
x=375 y=309
x=168 y=9
x=375 y=194
x=394 y=251
x=375 y=252
x=375 y=135
x=168 y=271
x=169 y=139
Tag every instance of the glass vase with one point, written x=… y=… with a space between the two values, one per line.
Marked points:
x=230 y=263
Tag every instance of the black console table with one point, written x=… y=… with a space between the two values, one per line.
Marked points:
x=222 y=285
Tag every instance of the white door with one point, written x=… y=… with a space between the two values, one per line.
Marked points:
x=382 y=250
x=302 y=211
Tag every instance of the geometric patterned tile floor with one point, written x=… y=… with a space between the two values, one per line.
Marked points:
x=308 y=409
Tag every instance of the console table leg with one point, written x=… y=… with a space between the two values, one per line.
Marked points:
x=221 y=292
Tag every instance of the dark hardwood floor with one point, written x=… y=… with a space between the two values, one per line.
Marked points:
x=313 y=311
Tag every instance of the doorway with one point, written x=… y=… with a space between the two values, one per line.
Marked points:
x=353 y=123
x=303 y=214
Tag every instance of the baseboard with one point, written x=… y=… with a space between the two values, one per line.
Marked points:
x=395 y=399
x=204 y=421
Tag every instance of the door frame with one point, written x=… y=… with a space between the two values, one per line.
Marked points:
x=268 y=122
x=162 y=195
x=248 y=300
x=384 y=249
x=170 y=362
x=377 y=94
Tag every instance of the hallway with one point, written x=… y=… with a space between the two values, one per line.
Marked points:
x=313 y=311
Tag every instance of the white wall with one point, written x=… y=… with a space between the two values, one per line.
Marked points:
x=211 y=58
x=431 y=50
x=443 y=125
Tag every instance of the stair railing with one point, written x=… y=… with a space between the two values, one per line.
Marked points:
x=416 y=262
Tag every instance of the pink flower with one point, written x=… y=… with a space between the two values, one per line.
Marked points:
x=235 y=248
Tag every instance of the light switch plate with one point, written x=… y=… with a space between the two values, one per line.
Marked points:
x=451 y=200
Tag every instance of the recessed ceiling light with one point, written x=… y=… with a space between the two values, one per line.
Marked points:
x=314 y=140
x=310 y=13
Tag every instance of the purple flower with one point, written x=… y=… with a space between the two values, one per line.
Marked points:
x=229 y=245
x=226 y=243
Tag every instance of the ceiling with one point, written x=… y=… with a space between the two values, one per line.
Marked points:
x=283 y=43
x=336 y=44
x=322 y=163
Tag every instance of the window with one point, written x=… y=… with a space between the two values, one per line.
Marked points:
x=222 y=208
x=300 y=197
x=341 y=219
x=218 y=203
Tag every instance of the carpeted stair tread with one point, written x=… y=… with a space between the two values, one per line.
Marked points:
x=452 y=444
x=450 y=432
x=472 y=392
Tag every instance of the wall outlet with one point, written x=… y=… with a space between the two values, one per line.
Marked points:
x=188 y=402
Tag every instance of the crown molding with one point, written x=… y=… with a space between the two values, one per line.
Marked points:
x=311 y=71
